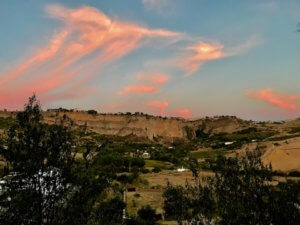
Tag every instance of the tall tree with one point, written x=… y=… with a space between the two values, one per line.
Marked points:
x=39 y=162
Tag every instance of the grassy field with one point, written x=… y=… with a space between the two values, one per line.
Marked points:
x=143 y=197
x=160 y=164
x=211 y=154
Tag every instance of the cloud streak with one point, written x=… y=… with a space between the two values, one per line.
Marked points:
x=88 y=40
x=138 y=89
x=160 y=6
x=158 y=106
x=281 y=100
x=205 y=51
x=183 y=113
x=149 y=83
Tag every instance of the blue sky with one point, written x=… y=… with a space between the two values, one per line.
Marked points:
x=187 y=58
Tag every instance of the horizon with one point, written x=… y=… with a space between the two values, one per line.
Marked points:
x=167 y=58
x=77 y=110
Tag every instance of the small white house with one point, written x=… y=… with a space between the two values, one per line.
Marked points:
x=229 y=142
x=182 y=169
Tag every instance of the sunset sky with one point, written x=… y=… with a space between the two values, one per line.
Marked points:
x=187 y=58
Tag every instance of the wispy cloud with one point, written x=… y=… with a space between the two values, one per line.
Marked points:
x=201 y=53
x=159 y=106
x=161 y=6
x=184 y=113
x=147 y=83
x=276 y=98
x=153 y=78
x=162 y=108
x=86 y=33
x=204 y=51
x=138 y=89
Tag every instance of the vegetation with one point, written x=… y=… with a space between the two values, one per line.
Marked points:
x=5 y=123
x=294 y=130
x=241 y=193
x=44 y=182
x=236 y=139
x=62 y=174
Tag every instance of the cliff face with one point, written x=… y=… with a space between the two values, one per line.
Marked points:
x=144 y=126
x=147 y=126
x=139 y=125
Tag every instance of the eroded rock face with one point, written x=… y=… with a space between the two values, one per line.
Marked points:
x=139 y=125
x=147 y=126
x=144 y=126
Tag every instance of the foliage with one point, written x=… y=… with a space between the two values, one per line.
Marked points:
x=6 y=122
x=110 y=211
x=145 y=216
x=156 y=170
x=217 y=141
x=92 y=112
x=241 y=193
x=41 y=159
x=44 y=183
x=294 y=130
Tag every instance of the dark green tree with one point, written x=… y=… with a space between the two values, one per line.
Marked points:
x=241 y=192
x=39 y=161
x=110 y=211
x=44 y=183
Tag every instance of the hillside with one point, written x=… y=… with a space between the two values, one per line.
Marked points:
x=280 y=140
x=145 y=126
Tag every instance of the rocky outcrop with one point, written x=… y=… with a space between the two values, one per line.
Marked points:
x=143 y=125
x=146 y=126
x=138 y=125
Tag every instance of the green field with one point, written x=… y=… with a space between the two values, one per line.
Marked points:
x=211 y=154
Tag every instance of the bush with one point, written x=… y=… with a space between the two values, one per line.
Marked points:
x=156 y=170
x=146 y=213
x=294 y=174
x=92 y=112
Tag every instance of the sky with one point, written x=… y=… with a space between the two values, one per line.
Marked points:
x=183 y=58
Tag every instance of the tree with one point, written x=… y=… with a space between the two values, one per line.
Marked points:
x=45 y=183
x=145 y=216
x=148 y=214
x=39 y=160
x=240 y=193
x=110 y=212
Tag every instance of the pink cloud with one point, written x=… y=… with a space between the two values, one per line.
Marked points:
x=272 y=97
x=202 y=52
x=148 y=83
x=138 y=89
x=159 y=106
x=85 y=30
x=184 y=113
x=154 y=78
x=41 y=56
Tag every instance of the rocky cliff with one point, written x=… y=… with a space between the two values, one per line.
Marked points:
x=147 y=126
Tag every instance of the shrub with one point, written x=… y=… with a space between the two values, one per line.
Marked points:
x=156 y=170
x=92 y=112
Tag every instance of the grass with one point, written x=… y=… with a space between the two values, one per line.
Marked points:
x=212 y=154
x=146 y=197
x=160 y=164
